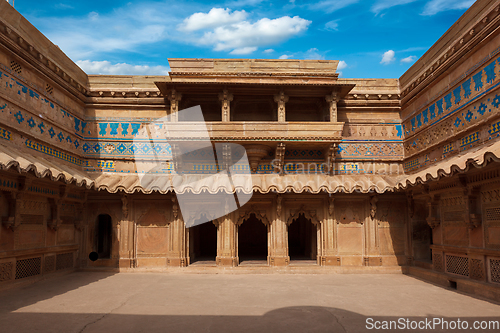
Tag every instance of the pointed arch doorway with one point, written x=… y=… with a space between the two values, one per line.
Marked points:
x=303 y=238
x=253 y=246
x=203 y=243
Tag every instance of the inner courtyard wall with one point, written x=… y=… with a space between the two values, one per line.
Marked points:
x=450 y=102
x=444 y=106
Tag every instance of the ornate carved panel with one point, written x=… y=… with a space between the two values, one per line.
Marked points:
x=152 y=241
x=29 y=236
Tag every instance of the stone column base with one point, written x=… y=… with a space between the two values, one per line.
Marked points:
x=279 y=261
x=177 y=262
x=372 y=261
x=227 y=261
x=330 y=261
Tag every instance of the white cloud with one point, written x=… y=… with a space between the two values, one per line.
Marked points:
x=216 y=17
x=314 y=54
x=244 y=50
x=435 y=6
x=388 y=57
x=330 y=6
x=107 y=68
x=123 y=29
x=242 y=3
x=285 y=56
x=268 y=51
x=409 y=59
x=332 y=25
x=253 y=35
x=342 y=65
x=384 y=4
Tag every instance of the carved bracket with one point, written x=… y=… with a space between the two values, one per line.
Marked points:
x=433 y=218
x=331 y=155
x=473 y=217
x=55 y=206
x=124 y=206
x=278 y=205
x=331 y=207
x=174 y=98
x=373 y=206
x=175 y=207
x=14 y=200
x=279 y=159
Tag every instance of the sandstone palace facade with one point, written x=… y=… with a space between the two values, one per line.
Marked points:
x=346 y=175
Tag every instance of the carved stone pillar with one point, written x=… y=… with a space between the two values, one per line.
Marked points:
x=329 y=255
x=174 y=98
x=226 y=241
x=371 y=232
x=278 y=255
x=225 y=97
x=122 y=232
x=281 y=99
x=332 y=100
x=177 y=243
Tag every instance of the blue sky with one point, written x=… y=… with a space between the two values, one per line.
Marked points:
x=371 y=38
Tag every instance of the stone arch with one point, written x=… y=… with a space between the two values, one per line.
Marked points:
x=259 y=214
x=308 y=214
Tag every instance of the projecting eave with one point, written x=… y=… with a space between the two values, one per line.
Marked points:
x=25 y=162
x=298 y=89
x=461 y=163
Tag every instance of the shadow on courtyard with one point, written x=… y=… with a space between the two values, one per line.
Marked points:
x=9 y=302
x=290 y=319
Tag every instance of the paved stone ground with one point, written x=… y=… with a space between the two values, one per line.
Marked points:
x=152 y=302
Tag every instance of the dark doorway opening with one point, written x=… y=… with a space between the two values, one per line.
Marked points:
x=203 y=242
x=252 y=240
x=302 y=236
x=104 y=234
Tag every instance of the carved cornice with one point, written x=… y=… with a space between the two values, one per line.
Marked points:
x=452 y=55
x=124 y=93
x=34 y=57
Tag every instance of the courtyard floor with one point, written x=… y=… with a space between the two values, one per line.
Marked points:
x=166 y=302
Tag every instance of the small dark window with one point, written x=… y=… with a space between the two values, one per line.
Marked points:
x=16 y=67
x=104 y=233
x=49 y=89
